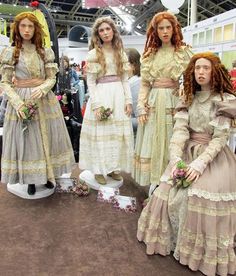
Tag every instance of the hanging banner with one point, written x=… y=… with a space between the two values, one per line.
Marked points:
x=111 y=3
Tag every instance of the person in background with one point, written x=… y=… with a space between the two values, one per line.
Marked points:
x=134 y=81
x=106 y=146
x=38 y=152
x=232 y=73
x=165 y=58
x=196 y=220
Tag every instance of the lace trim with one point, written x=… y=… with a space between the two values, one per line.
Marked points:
x=221 y=122
x=212 y=196
x=198 y=165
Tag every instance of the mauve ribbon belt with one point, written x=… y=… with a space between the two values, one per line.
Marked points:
x=27 y=83
x=200 y=137
x=106 y=79
x=165 y=83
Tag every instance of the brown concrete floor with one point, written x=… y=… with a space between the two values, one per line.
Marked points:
x=67 y=235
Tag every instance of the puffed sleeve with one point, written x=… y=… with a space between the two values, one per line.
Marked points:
x=180 y=133
x=51 y=68
x=93 y=68
x=182 y=58
x=125 y=82
x=8 y=68
x=225 y=112
x=145 y=86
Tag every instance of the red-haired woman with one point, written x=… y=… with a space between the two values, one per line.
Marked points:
x=164 y=59
x=38 y=154
x=198 y=223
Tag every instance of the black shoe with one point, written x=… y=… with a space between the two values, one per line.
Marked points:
x=31 y=189
x=49 y=185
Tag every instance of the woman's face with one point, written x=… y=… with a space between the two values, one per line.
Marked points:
x=26 y=29
x=66 y=65
x=202 y=72
x=165 y=31
x=105 y=32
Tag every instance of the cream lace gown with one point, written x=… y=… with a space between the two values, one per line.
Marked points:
x=197 y=223
x=106 y=146
x=152 y=140
x=43 y=151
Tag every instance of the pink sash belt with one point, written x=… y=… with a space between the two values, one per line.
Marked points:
x=200 y=137
x=106 y=79
x=24 y=83
x=165 y=83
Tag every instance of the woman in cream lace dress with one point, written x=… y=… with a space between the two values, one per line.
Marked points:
x=164 y=60
x=106 y=147
x=198 y=223
x=42 y=152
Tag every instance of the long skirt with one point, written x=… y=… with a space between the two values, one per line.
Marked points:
x=107 y=146
x=197 y=223
x=38 y=150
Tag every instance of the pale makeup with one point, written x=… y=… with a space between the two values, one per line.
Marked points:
x=165 y=31
x=202 y=72
x=105 y=32
x=26 y=29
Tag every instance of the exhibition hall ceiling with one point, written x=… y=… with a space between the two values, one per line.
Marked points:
x=132 y=17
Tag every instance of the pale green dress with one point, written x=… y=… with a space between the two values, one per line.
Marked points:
x=153 y=138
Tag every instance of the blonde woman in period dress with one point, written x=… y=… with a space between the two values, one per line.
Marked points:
x=198 y=223
x=106 y=147
x=43 y=151
x=164 y=59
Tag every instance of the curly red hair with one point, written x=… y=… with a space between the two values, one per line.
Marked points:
x=220 y=78
x=17 y=40
x=153 y=42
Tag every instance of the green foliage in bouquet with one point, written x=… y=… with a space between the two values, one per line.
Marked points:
x=105 y=113
x=179 y=175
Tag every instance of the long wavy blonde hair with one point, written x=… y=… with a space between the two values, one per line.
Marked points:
x=17 y=40
x=220 y=79
x=117 y=44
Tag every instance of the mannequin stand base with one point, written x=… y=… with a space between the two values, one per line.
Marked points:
x=88 y=178
x=21 y=191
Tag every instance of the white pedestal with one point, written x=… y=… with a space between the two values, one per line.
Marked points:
x=21 y=191
x=89 y=179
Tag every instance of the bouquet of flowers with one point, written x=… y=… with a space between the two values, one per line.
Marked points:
x=179 y=175
x=105 y=113
x=30 y=110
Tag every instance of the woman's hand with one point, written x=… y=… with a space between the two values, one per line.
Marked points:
x=173 y=169
x=37 y=94
x=128 y=109
x=142 y=119
x=20 y=113
x=97 y=113
x=192 y=175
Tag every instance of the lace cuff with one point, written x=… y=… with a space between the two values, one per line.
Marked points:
x=221 y=122
x=198 y=165
x=174 y=160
